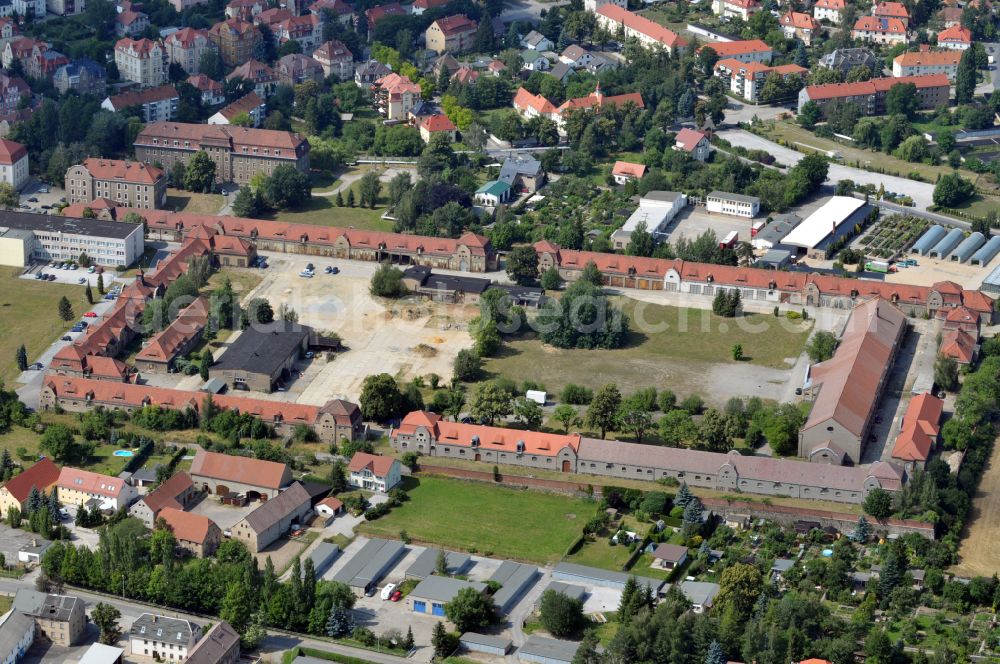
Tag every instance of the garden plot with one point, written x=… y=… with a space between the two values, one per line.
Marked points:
x=892 y=237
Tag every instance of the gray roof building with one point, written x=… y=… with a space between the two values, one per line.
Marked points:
x=986 y=252
x=17 y=631
x=519 y=164
x=700 y=593
x=773 y=233
x=782 y=565
x=426 y=563
x=928 y=240
x=774 y=259
x=275 y=509
x=323 y=556
x=846 y=59
x=601 y=577
x=369 y=565
x=219 y=643
x=26 y=221
x=442 y=589
x=947 y=243
x=263 y=349
x=514 y=579
x=164 y=629
x=492 y=645
x=547 y=651
x=569 y=590
x=967 y=247
x=41 y=605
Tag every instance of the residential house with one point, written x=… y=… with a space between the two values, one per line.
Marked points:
x=367 y=73
x=29 y=9
x=43 y=62
x=19 y=49
x=846 y=388
x=129 y=22
x=621 y=22
x=212 y=92
x=306 y=31
x=65 y=7
x=178 y=492
x=932 y=91
x=958 y=345
x=496 y=68
x=927 y=62
x=846 y=59
x=81 y=487
x=919 y=431
x=236 y=39
x=829 y=10
x=957 y=38
x=13 y=163
x=84 y=76
x=780 y=567
x=59 y=618
x=893 y=10
x=420 y=6
x=12 y=90
x=258 y=74
x=272 y=519
x=950 y=16
x=162 y=638
x=17 y=634
x=669 y=556
x=536 y=41
x=245 y=10
x=142 y=61
x=157 y=104
x=376 y=14
x=335 y=59
x=194 y=533
x=797 y=25
x=178 y=339
x=701 y=594
x=341 y=11
x=395 y=95
x=452 y=34
x=595 y=102
x=342 y=421
x=626 y=171
x=251 y=105
x=295 y=68
x=41 y=475
x=492 y=193
x=128 y=183
x=8 y=29
x=575 y=56
x=523 y=173
x=534 y=61
x=221 y=474
x=187 y=46
x=561 y=72
x=433 y=125
x=889 y=31
x=373 y=472
x=747 y=79
x=219 y=645
x=465 y=76
x=693 y=142
x=749 y=50
x=741 y=9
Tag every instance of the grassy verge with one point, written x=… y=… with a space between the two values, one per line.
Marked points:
x=31 y=316
x=189 y=201
x=321 y=211
x=497 y=521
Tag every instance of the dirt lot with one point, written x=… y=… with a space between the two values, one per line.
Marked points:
x=225 y=516
x=978 y=553
x=932 y=270
x=405 y=338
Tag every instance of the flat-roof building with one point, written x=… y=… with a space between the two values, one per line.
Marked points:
x=656 y=210
x=514 y=579
x=602 y=577
x=426 y=563
x=737 y=205
x=25 y=237
x=834 y=220
x=541 y=650
x=775 y=232
x=431 y=594
x=367 y=567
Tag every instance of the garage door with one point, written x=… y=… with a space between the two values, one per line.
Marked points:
x=438 y=609
x=420 y=606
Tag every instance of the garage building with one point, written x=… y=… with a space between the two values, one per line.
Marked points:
x=367 y=567
x=484 y=643
x=431 y=594
x=601 y=577
x=323 y=556
x=426 y=563
x=547 y=651
x=221 y=474
x=836 y=219
x=514 y=579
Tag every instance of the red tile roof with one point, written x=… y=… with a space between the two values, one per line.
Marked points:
x=242 y=105
x=189 y=324
x=524 y=99
x=958 y=345
x=379 y=465
x=873 y=86
x=799 y=20
x=928 y=58
x=186 y=37
x=733 y=48
x=833 y=5
x=920 y=428
x=894 y=9
x=434 y=123
x=489 y=438
x=244 y=470
x=42 y=475
x=643 y=25
x=212 y=135
x=597 y=99
x=186 y=526
x=956 y=34
x=167 y=493
x=11 y=152
x=376 y=14
x=141 y=47
x=688 y=139
x=135 y=172
x=88 y=482
x=889 y=26
x=455 y=24
x=629 y=169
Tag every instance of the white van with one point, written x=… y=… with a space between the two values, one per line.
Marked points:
x=387 y=591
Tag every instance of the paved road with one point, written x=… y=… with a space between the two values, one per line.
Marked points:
x=274 y=643
x=921 y=192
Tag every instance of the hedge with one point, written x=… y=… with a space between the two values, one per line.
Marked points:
x=291 y=655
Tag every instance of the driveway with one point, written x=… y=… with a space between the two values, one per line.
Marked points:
x=921 y=192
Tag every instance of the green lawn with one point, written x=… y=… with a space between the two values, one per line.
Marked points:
x=187 y=201
x=30 y=316
x=694 y=338
x=602 y=554
x=321 y=211
x=495 y=521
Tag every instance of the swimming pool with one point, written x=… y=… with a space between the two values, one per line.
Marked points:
x=124 y=453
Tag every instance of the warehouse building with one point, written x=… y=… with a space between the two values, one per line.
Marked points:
x=772 y=234
x=656 y=210
x=578 y=593
x=367 y=567
x=928 y=240
x=486 y=644
x=836 y=219
x=987 y=252
x=574 y=573
x=323 y=556
x=541 y=650
x=262 y=356
x=426 y=563
x=431 y=594
x=515 y=579
x=737 y=205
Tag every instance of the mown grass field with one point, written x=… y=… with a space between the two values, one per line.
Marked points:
x=493 y=520
x=29 y=315
x=187 y=201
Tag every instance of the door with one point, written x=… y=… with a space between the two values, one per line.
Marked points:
x=419 y=606
x=565 y=465
x=478 y=457
x=437 y=609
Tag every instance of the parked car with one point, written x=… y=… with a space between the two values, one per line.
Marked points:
x=81 y=280
x=91 y=269
x=36 y=366
x=306 y=273
x=32 y=200
x=90 y=314
x=52 y=277
x=310 y=355
x=40 y=275
x=396 y=596
x=328 y=269
x=76 y=328
x=387 y=591
x=43 y=190
x=84 y=324
x=65 y=337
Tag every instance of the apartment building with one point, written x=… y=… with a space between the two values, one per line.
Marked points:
x=236 y=39
x=741 y=9
x=893 y=10
x=748 y=50
x=60 y=618
x=212 y=92
x=187 y=46
x=128 y=183
x=747 y=79
x=261 y=76
x=84 y=488
x=932 y=91
x=889 y=31
x=25 y=236
x=129 y=23
x=13 y=163
x=829 y=10
x=306 y=30
x=295 y=68
x=83 y=76
x=374 y=472
x=251 y=105
x=65 y=7
x=956 y=38
x=238 y=152
x=43 y=62
x=142 y=61
x=797 y=25
x=156 y=104
x=335 y=59
x=12 y=90
x=162 y=638
x=451 y=34
x=618 y=20
x=395 y=95
x=927 y=62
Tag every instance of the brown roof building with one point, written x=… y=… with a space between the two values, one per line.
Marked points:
x=335 y=59
x=919 y=431
x=127 y=183
x=239 y=153
x=219 y=645
x=195 y=533
x=296 y=68
x=236 y=40
x=221 y=473
x=177 y=340
x=42 y=475
x=250 y=105
x=869 y=96
x=257 y=73
x=187 y=46
x=178 y=492
x=157 y=104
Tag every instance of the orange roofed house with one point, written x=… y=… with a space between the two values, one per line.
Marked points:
x=374 y=473
x=451 y=34
x=220 y=474
x=618 y=20
x=15 y=492
x=84 y=488
x=182 y=335
x=530 y=105
x=127 y=183
x=194 y=533
x=919 y=432
x=178 y=492
x=626 y=171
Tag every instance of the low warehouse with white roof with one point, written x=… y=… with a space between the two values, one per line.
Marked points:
x=834 y=220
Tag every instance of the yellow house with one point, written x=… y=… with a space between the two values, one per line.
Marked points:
x=15 y=492
x=78 y=487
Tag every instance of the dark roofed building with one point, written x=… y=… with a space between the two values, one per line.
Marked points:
x=262 y=356
x=59 y=617
x=444 y=288
x=220 y=645
x=271 y=520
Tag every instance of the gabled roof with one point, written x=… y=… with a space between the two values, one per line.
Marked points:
x=244 y=104
x=244 y=470
x=214 y=645
x=166 y=494
x=920 y=428
x=958 y=345
x=11 y=152
x=873 y=86
x=928 y=58
x=136 y=172
x=486 y=437
x=435 y=123
x=687 y=139
x=524 y=99
x=277 y=508
x=895 y=9
x=42 y=475
x=146 y=96
x=187 y=526
x=643 y=25
x=379 y=465
x=629 y=169
x=455 y=24
x=799 y=20
x=892 y=26
x=88 y=482
x=734 y=48
x=955 y=34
